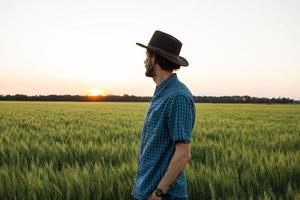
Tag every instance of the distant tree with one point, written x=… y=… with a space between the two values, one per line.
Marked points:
x=132 y=98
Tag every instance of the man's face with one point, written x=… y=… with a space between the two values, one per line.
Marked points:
x=149 y=65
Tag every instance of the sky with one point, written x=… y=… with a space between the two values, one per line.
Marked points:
x=234 y=47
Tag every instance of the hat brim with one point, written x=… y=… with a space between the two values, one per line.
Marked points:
x=172 y=58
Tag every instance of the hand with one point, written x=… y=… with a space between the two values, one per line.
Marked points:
x=154 y=197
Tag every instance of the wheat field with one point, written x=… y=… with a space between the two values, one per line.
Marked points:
x=64 y=150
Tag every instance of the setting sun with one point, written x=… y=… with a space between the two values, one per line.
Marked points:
x=95 y=92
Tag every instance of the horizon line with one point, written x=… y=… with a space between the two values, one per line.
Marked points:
x=150 y=95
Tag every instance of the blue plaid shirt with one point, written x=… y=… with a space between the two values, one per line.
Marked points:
x=170 y=118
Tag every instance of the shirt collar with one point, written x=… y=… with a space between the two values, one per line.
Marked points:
x=164 y=84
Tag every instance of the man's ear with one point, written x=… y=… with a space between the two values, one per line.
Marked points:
x=152 y=59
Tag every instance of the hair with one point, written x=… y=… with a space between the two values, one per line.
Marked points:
x=163 y=63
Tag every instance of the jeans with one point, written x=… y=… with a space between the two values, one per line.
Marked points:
x=168 y=197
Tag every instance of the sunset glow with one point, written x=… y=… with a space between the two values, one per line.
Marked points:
x=95 y=92
x=234 y=47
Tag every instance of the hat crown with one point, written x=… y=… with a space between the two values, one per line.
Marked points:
x=165 y=42
x=167 y=46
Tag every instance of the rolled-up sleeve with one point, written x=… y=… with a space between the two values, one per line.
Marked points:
x=181 y=118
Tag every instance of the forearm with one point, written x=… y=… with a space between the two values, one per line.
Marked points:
x=176 y=165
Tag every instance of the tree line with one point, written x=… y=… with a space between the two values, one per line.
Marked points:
x=132 y=98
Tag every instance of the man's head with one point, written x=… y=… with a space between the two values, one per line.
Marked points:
x=155 y=63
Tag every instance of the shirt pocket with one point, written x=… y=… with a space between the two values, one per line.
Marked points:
x=153 y=119
x=157 y=118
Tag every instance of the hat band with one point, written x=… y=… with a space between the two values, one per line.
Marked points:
x=163 y=52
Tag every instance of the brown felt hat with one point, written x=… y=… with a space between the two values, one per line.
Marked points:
x=166 y=46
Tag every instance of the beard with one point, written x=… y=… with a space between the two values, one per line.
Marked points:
x=150 y=71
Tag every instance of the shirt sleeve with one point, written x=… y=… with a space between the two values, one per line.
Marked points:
x=181 y=118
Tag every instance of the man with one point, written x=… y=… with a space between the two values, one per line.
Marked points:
x=167 y=132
